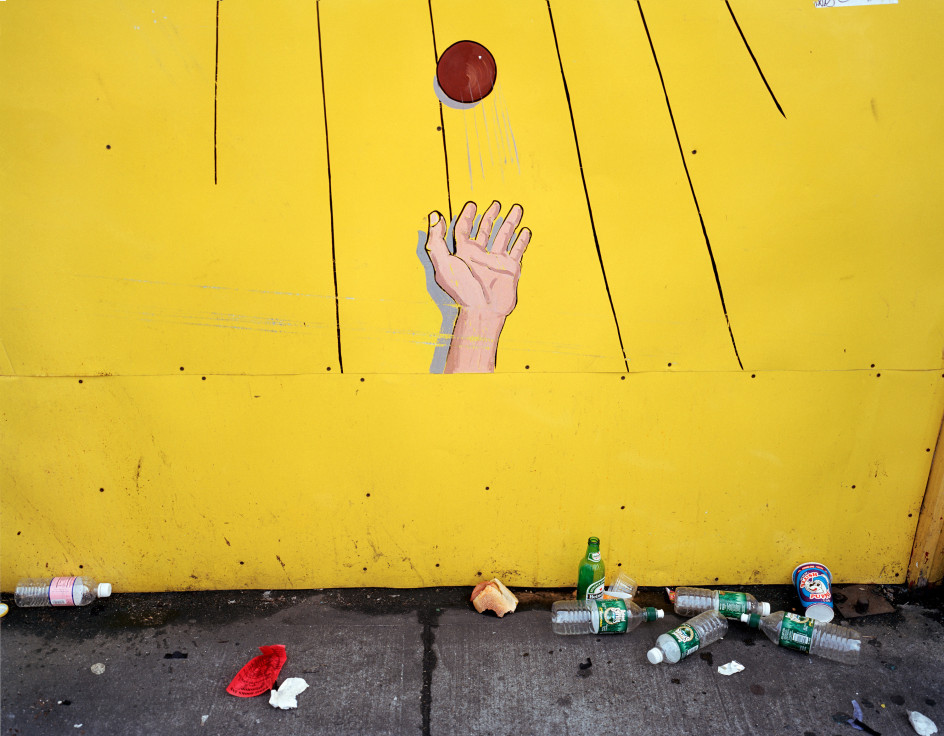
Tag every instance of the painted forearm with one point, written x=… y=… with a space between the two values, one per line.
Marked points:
x=474 y=342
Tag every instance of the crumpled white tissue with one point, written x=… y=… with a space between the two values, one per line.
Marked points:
x=730 y=668
x=284 y=697
x=921 y=723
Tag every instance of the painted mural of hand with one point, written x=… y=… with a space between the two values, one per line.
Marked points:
x=483 y=281
x=478 y=278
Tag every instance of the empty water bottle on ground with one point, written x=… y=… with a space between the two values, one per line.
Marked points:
x=809 y=636
x=61 y=591
x=606 y=616
x=692 y=601
x=683 y=641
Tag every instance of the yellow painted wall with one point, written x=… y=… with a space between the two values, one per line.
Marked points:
x=220 y=333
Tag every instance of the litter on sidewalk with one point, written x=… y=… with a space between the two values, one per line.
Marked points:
x=921 y=723
x=731 y=668
x=285 y=696
x=492 y=595
x=259 y=674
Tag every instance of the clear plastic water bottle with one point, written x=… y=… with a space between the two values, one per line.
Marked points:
x=62 y=591
x=809 y=636
x=683 y=641
x=602 y=616
x=692 y=601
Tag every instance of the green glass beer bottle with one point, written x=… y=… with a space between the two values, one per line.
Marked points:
x=591 y=575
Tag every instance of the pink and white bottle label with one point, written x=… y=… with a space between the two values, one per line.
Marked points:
x=60 y=592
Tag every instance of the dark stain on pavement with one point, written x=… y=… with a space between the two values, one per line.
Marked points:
x=585 y=670
x=429 y=618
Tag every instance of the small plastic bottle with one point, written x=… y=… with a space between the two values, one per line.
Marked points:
x=691 y=601
x=63 y=591
x=685 y=640
x=605 y=616
x=809 y=636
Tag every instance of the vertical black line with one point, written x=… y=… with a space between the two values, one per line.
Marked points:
x=430 y=621
x=216 y=85
x=691 y=186
x=586 y=192
x=442 y=122
x=754 y=58
x=334 y=261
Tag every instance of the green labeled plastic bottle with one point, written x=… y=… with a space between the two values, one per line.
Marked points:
x=591 y=575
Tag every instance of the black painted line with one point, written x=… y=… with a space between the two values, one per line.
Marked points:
x=442 y=122
x=691 y=186
x=754 y=58
x=216 y=86
x=334 y=259
x=586 y=192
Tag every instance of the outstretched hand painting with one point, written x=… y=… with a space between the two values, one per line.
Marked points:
x=481 y=276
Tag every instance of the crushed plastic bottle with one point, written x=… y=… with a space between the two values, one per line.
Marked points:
x=62 y=591
x=692 y=601
x=683 y=641
x=809 y=636
x=606 y=616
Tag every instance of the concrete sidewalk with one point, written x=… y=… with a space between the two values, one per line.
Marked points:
x=424 y=662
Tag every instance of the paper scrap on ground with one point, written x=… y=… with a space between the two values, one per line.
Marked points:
x=284 y=697
x=259 y=674
x=731 y=667
x=98 y=668
x=856 y=720
x=921 y=723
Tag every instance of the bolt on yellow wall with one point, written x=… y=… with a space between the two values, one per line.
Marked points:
x=222 y=328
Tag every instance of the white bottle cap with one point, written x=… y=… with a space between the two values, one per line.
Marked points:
x=746 y=617
x=764 y=609
x=103 y=590
x=655 y=655
x=660 y=613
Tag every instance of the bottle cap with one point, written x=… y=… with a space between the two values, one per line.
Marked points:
x=764 y=609
x=751 y=619
x=655 y=655
x=104 y=590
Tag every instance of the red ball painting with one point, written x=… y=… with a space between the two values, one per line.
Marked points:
x=466 y=72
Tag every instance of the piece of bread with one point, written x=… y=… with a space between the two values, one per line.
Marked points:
x=492 y=595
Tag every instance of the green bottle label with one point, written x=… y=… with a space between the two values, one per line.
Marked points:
x=732 y=605
x=796 y=632
x=687 y=639
x=595 y=590
x=614 y=618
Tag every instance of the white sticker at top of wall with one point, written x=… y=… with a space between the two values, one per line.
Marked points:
x=844 y=3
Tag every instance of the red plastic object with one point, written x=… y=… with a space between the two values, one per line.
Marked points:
x=466 y=71
x=259 y=674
